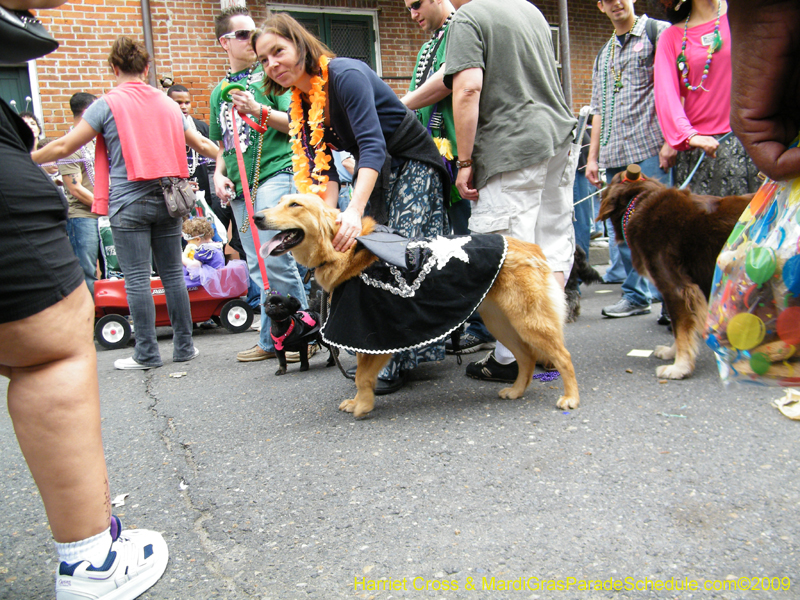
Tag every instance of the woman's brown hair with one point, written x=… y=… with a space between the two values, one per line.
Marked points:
x=128 y=55
x=309 y=48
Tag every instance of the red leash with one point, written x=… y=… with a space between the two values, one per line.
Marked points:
x=246 y=189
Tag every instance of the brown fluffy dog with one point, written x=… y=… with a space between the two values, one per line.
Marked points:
x=674 y=237
x=524 y=309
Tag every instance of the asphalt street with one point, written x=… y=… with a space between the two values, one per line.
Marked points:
x=263 y=489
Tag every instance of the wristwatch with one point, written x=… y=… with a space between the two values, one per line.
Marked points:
x=461 y=164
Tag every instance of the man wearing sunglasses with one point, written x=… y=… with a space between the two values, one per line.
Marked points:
x=433 y=104
x=268 y=178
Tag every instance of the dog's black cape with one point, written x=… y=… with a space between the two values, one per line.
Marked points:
x=419 y=292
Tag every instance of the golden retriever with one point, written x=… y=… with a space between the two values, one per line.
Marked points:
x=524 y=308
x=674 y=237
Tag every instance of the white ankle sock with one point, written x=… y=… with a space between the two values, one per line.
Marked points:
x=94 y=549
x=503 y=355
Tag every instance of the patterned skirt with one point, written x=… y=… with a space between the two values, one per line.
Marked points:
x=731 y=173
x=416 y=209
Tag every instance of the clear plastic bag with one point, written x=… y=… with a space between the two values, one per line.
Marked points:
x=753 y=321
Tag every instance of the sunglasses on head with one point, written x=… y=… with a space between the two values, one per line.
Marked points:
x=240 y=34
x=415 y=5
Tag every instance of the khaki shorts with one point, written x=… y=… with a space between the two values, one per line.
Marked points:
x=533 y=204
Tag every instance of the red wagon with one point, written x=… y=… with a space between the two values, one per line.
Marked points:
x=113 y=330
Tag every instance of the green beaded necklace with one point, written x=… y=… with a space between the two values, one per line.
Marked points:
x=715 y=46
x=608 y=116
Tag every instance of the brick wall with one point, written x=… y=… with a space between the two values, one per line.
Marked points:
x=186 y=50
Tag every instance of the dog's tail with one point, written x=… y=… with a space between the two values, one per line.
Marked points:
x=583 y=269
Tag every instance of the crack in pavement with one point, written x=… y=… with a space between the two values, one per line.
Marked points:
x=167 y=432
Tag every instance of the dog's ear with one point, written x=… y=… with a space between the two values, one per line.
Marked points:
x=292 y=303
x=611 y=196
x=618 y=195
x=327 y=224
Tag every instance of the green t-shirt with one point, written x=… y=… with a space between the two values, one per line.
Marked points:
x=444 y=106
x=276 y=150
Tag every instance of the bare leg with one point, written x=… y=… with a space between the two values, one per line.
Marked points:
x=54 y=403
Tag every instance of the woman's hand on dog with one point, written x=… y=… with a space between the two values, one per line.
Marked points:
x=349 y=229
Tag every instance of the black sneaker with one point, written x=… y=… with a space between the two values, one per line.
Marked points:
x=468 y=344
x=488 y=369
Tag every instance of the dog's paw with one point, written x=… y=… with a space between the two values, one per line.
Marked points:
x=359 y=412
x=280 y=371
x=665 y=352
x=673 y=372
x=567 y=402
x=304 y=368
x=510 y=393
x=348 y=405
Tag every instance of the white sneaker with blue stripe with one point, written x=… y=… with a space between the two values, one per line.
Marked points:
x=136 y=561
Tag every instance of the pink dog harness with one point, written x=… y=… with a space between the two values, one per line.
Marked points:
x=304 y=317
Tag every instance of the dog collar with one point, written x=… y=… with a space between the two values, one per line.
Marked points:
x=627 y=217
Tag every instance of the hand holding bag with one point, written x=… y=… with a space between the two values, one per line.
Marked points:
x=23 y=37
x=179 y=196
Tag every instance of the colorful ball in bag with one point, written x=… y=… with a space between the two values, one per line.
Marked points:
x=745 y=331
x=737 y=231
x=228 y=87
x=760 y=264
x=789 y=325
x=760 y=363
x=791 y=275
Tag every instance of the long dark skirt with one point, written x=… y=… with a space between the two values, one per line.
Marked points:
x=731 y=173
x=416 y=209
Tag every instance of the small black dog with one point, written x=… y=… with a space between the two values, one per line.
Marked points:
x=292 y=329
x=581 y=270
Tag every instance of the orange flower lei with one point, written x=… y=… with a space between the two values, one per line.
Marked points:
x=316 y=181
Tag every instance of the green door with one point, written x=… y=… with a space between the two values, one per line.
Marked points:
x=346 y=34
x=15 y=85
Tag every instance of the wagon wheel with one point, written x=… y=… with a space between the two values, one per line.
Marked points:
x=112 y=331
x=236 y=316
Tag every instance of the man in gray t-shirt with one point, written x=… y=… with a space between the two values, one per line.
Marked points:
x=514 y=132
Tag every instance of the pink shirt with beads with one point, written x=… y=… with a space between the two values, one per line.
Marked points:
x=681 y=112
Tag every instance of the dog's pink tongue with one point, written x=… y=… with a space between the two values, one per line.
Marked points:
x=268 y=246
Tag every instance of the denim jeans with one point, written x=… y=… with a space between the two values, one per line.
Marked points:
x=281 y=270
x=139 y=229
x=458 y=214
x=345 y=195
x=636 y=288
x=583 y=211
x=84 y=235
